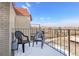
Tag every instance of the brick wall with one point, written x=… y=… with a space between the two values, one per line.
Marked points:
x=4 y=28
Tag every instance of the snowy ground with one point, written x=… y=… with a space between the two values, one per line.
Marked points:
x=72 y=38
x=37 y=51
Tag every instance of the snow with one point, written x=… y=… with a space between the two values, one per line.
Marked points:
x=72 y=38
x=37 y=51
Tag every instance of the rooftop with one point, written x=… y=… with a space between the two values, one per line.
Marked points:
x=22 y=11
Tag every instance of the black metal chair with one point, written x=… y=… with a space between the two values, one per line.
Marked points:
x=18 y=35
x=37 y=36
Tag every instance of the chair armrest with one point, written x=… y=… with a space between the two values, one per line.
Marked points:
x=26 y=36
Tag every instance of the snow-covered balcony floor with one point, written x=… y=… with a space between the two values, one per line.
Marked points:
x=37 y=51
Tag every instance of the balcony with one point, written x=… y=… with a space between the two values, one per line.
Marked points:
x=37 y=51
x=58 y=42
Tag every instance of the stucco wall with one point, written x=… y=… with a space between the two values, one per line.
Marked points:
x=4 y=28
x=22 y=23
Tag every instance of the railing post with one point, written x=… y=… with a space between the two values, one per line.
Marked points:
x=64 y=41
x=69 y=42
x=75 y=42
x=53 y=38
x=60 y=38
x=57 y=39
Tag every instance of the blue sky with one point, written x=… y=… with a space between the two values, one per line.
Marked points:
x=55 y=13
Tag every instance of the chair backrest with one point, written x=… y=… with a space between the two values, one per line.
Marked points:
x=18 y=35
x=39 y=34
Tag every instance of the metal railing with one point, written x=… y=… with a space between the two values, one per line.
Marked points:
x=64 y=40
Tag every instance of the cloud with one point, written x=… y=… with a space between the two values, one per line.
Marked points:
x=48 y=18
x=68 y=22
x=23 y=6
x=28 y=4
x=41 y=18
x=45 y=18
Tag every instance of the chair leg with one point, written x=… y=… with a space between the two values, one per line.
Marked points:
x=33 y=44
x=41 y=44
x=29 y=44
x=17 y=46
x=36 y=42
x=23 y=48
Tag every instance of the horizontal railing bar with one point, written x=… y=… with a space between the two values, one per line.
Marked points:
x=56 y=49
